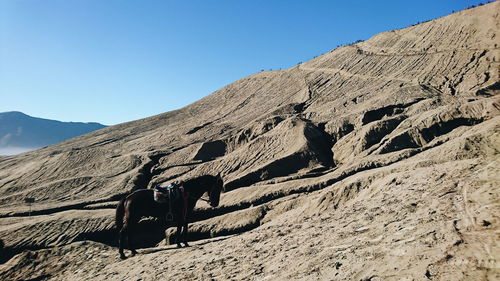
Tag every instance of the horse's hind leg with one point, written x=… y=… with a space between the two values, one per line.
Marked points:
x=125 y=235
x=122 y=236
x=129 y=239
x=134 y=252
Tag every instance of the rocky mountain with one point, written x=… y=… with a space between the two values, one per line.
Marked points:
x=20 y=132
x=378 y=160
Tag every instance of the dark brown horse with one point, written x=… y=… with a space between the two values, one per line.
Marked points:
x=141 y=204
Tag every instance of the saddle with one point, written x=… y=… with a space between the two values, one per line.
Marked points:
x=171 y=193
x=164 y=194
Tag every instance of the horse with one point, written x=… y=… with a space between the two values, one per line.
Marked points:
x=141 y=204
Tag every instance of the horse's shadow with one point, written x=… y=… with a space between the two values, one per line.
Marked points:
x=174 y=247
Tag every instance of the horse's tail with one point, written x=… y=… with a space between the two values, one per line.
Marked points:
x=120 y=213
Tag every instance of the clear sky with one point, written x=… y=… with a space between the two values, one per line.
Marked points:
x=112 y=61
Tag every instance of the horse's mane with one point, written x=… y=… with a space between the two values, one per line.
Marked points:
x=196 y=180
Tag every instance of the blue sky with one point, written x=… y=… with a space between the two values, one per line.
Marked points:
x=112 y=61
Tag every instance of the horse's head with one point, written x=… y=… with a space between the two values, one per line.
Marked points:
x=215 y=190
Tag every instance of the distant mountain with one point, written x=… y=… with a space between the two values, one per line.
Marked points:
x=20 y=132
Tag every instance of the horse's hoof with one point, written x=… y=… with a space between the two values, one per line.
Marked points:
x=123 y=257
x=133 y=254
x=179 y=246
x=186 y=245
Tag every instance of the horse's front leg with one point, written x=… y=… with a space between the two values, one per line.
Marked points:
x=184 y=234
x=178 y=235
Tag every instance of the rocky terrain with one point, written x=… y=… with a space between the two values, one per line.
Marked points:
x=375 y=161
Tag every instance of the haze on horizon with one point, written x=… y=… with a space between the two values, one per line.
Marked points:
x=117 y=61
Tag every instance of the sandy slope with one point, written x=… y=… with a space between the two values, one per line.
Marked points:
x=377 y=160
